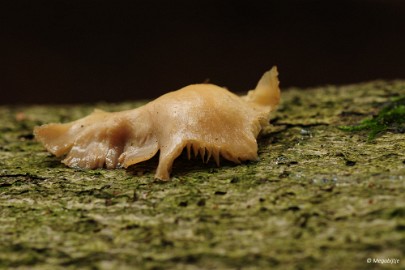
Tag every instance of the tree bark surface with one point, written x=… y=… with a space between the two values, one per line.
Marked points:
x=318 y=198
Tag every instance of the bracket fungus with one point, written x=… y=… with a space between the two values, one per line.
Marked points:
x=204 y=118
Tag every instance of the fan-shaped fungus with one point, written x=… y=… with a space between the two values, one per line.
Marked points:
x=203 y=118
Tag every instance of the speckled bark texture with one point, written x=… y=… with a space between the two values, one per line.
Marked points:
x=318 y=198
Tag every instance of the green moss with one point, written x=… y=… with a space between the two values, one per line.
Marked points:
x=389 y=118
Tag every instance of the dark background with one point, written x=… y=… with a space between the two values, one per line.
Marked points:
x=66 y=51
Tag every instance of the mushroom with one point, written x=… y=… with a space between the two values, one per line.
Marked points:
x=203 y=118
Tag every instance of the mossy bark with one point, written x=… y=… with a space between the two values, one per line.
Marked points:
x=318 y=198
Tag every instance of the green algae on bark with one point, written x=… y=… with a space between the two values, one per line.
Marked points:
x=318 y=198
x=390 y=117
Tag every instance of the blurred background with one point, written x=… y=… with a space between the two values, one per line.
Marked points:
x=71 y=51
